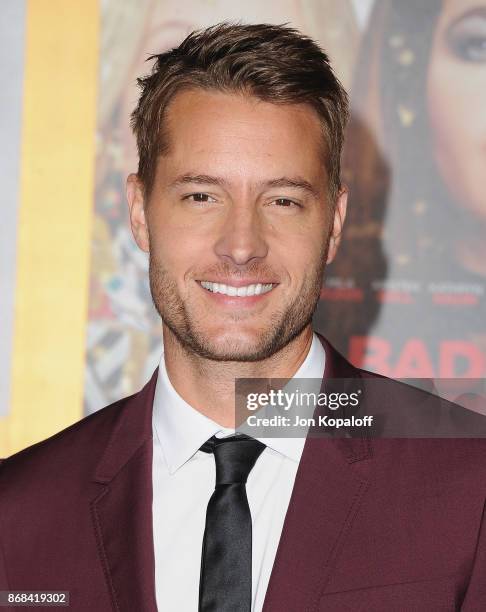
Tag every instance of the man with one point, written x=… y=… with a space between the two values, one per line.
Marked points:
x=153 y=502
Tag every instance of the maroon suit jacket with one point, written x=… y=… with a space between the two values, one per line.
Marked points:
x=372 y=525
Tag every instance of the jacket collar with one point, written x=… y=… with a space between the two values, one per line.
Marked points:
x=122 y=511
x=132 y=428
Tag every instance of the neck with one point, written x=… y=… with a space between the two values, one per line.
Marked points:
x=209 y=386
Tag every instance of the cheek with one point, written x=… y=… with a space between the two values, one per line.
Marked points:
x=176 y=239
x=168 y=253
x=180 y=254
x=456 y=102
x=300 y=258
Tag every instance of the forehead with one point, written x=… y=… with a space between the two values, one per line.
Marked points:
x=242 y=132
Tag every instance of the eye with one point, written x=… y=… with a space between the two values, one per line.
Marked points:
x=286 y=203
x=199 y=198
x=467 y=39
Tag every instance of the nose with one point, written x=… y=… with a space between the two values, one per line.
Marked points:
x=241 y=238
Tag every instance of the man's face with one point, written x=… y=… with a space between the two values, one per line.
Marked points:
x=237 y=224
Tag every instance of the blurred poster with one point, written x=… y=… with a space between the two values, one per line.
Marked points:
x=406 y=294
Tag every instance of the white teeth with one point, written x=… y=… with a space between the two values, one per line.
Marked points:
x=248 y=290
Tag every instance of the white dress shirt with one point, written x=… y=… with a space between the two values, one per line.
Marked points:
x=183 y=479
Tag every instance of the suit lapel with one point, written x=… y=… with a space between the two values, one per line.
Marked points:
x=122 y=511
x=330 y=484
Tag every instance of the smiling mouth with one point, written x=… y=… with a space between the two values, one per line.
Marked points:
x=245 y=291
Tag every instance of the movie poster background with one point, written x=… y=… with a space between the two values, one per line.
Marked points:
x=405 y=296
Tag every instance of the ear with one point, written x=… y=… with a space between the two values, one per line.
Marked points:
x=338 y=222
x=135 y=197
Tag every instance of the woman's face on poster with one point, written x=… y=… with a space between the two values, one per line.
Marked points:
x=456 y=98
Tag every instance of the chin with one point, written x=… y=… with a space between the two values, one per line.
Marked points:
x=234 y=343
x=234 y=346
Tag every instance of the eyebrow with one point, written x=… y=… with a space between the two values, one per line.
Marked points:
x=199 y=179
x=475 y=11
x=205 y=179
x=294 y=183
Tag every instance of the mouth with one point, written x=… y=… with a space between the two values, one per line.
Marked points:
x=243 y=291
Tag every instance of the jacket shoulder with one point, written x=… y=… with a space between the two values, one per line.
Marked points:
x=74 y=450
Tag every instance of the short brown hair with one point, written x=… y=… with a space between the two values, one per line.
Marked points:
x=275 y=63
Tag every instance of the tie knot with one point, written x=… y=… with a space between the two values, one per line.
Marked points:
x=235 y=457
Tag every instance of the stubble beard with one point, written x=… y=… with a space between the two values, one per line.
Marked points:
x=284 y=325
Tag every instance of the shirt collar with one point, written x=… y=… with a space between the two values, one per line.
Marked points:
x=181 y=429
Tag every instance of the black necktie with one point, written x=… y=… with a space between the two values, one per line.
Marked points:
x=225 y=583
